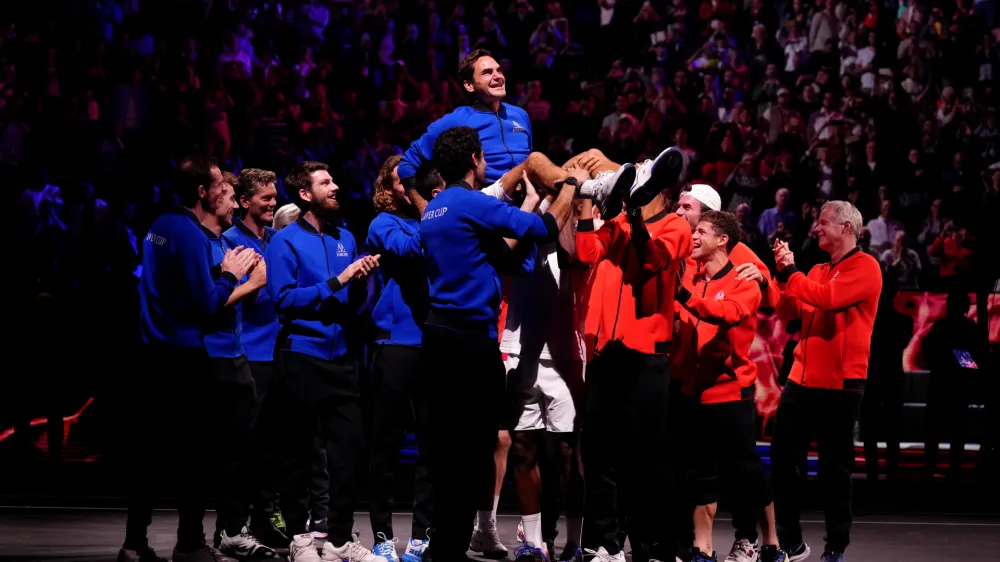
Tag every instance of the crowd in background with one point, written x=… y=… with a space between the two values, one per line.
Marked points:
x=780 y=104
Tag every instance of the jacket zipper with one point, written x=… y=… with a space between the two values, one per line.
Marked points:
x=326 y=254
x=503 y=139
x=694 y=347
x=805 y=348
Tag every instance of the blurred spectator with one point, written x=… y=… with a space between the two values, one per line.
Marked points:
x=901 y=263
x=884 y=228
x=779 y=214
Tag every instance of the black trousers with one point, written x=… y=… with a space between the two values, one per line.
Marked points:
x=465 y=374
x=827 y=417
x=945 y=418
x=266 y=439
x=726 y=458
x=235 y=409
x=318 y=402
x=625 y=452
x=400 y=400
x=170 y=426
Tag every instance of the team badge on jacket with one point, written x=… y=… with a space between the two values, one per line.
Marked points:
x=720 y=295
x=341 y=250
x=518 y=128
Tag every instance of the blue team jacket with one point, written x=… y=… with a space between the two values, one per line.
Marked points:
x=224 y=337
x=461 y=233
x=402 y=306
x=178 y=295
x=505 y=135
x=302 y=270
x=260 y=318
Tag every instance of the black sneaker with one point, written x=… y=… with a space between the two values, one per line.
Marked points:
x=142 y=555
x=771 y=553
x=833 y=556
x=796 y=552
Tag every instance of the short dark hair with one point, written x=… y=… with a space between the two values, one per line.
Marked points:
x=194 y=171
x=724 y=223
x=301 y=178
x=453 y=151
x=467 y=68
x=427 y=180
x=252 y=179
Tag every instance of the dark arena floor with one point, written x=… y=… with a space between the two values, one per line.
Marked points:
x=94 y=535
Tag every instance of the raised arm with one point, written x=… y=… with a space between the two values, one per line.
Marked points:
x=422 y=149
x=592 y=245
x=739 y=303
x=388 y=237
x=672 y=242
x=852 y=286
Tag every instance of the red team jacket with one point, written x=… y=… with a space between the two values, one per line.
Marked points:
x=837 y=304
x=717 y=322
x=632 y=298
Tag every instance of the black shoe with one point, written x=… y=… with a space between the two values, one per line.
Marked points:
x=142 y=555
x=796 y=552
x=833 y=556
x=269 y=535
x=656 y=175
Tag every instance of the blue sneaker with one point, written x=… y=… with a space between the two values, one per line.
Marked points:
x=796 y=552
x=696 y=555
x=529 y=553
x=833 y=556
x=415 y=550
x=572 y=554
x=386 y=548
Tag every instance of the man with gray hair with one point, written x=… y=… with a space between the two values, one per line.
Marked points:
x=836 y=302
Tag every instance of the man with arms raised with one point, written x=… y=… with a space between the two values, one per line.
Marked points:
x=837 y=302
x=468 y=241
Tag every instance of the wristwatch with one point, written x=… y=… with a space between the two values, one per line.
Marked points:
x=570 y=180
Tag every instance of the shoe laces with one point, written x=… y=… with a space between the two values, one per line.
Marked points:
x=357 y=551
x=526 y=549
x=743 y=546
x=385 y=546
x=596 y=556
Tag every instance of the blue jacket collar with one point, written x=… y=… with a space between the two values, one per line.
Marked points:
x=482 y=108
x=328 y=226
x=460 y=183
x=242 y=227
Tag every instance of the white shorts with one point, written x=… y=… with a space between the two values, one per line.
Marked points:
x=540 y=393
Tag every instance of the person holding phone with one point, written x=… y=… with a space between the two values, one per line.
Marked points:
x=837 y=302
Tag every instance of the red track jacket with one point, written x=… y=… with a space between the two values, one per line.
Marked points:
x=717 y=321
x=632 y=297
x=837 y=304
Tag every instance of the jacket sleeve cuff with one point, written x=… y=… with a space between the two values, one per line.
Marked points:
x=784 y=274
x=764 y=285
x=409 y=183
x=585 y=225
x=334 y=284
x=683 y=295
x=551 y=226
x=228 y=276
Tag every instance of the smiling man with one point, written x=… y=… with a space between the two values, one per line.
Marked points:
x=311 y=264
x=717 y=320
x=257 y=196
x=836 y=302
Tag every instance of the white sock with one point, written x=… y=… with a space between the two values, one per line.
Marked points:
x=484 y=517
x=533 y=529
x=574 y=529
